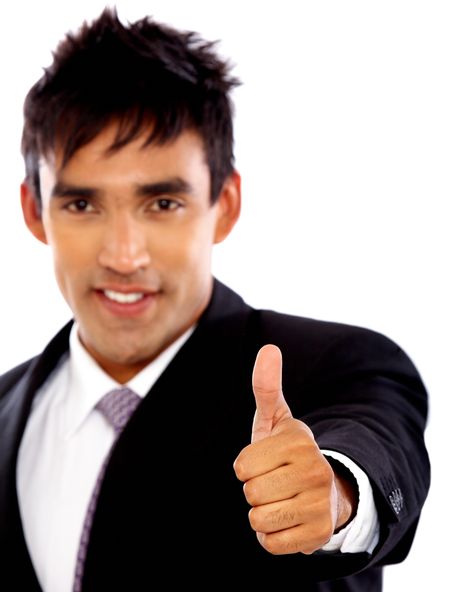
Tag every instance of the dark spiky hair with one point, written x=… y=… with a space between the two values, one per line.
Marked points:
x=143 y=76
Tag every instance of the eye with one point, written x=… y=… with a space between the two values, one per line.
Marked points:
x=164 y=204
x=79 y=205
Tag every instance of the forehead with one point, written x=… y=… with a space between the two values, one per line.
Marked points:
x=96 y=161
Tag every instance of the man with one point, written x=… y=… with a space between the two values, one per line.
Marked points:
x=130 y=448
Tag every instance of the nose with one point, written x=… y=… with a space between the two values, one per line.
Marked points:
x=124 y=246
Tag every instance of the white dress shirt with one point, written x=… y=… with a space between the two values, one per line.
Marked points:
x=63 y=448
x=363 y=532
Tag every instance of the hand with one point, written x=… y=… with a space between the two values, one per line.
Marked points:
x=297 y=501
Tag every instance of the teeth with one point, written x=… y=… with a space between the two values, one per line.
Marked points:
x=123 y=298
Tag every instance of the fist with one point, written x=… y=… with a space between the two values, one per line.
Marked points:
x=296 y=500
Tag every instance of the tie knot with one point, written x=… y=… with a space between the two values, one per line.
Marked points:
x=118 y=406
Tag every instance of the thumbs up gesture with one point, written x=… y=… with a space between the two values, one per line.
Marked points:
x=297 y=501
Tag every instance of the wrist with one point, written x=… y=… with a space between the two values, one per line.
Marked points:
x=347 y=494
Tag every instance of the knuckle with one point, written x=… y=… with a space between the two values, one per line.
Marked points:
x=272 y=545
x=322 y=473
x=251 y=493
x=239 y=469
x=256 y=520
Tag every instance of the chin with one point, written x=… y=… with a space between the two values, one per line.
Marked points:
x=129 y=358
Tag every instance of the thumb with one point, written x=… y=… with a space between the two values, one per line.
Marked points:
x=271 y=406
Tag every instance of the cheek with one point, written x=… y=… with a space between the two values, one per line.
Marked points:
x=189 y=248
x=72 y=257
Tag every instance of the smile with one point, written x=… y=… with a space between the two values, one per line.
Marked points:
x=123 y=298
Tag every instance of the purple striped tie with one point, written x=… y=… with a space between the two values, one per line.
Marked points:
x=117 y=406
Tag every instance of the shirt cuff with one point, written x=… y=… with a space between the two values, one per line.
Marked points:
x=363 y=532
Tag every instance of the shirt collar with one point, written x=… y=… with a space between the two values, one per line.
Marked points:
x=88 y=382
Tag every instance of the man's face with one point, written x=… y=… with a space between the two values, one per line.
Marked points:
x=131 y=234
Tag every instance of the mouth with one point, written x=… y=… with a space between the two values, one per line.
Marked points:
x=124 y=297
x=129 y=302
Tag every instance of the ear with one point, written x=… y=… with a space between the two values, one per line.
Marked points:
x=31 y=212
x=229 y=207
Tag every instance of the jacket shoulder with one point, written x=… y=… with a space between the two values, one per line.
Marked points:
x=315 y=340
x=284 y=326
x=10 y=378
x=321 y=352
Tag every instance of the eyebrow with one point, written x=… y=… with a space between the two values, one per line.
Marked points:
x=62 y=189
x=172 y=186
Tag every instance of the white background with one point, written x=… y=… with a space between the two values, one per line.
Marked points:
x=343 y=142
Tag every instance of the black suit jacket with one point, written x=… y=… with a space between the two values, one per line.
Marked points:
x=171 y=506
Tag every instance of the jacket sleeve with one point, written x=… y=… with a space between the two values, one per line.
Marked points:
x=364 y=398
